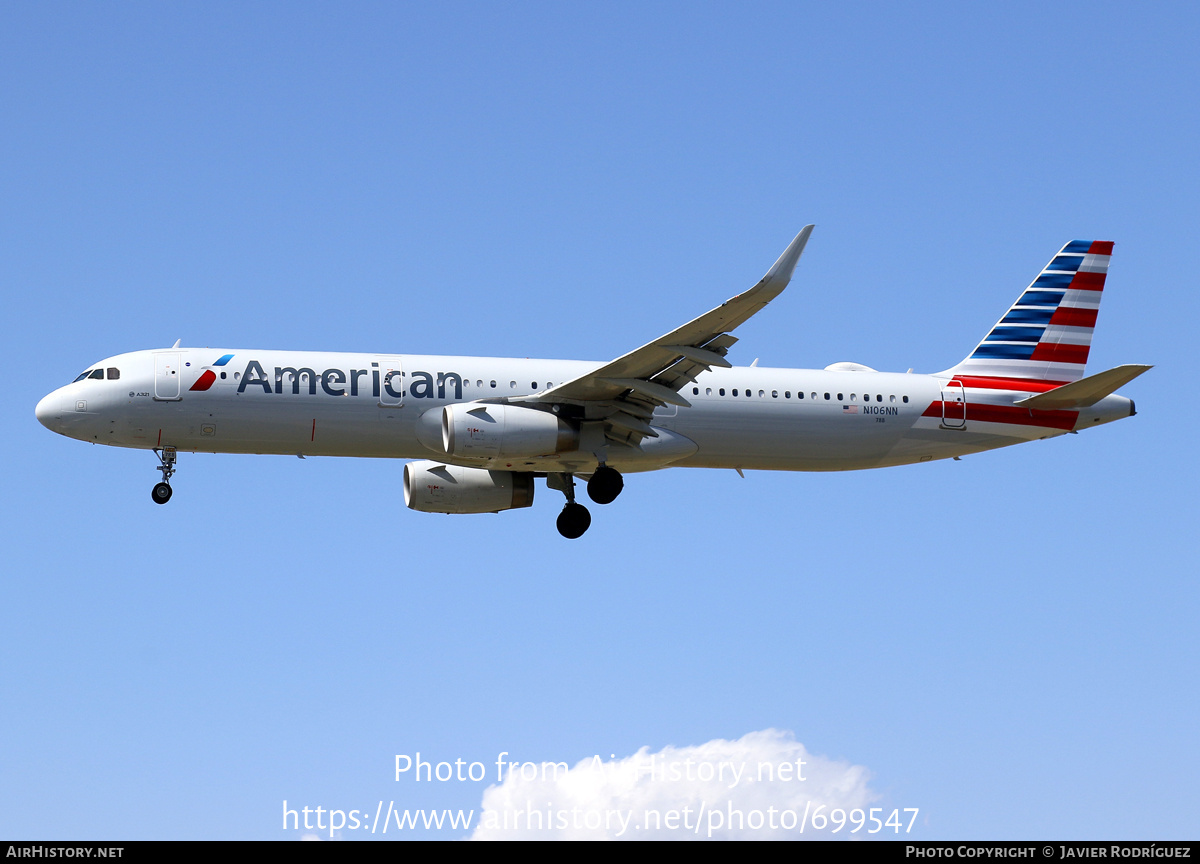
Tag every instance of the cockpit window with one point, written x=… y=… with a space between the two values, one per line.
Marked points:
x=98 y=375
x=83 y=375
x=113 y=373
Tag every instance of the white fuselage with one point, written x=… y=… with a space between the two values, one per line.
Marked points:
x=333 y=404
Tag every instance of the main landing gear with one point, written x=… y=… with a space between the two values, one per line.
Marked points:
x=603 y=488
x=161 y=493
x=605 y=485
x=574 y=518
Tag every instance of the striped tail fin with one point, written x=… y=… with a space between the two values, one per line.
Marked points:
x=1045 y=336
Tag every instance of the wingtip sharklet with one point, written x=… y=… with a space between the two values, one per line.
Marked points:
x=781 y=271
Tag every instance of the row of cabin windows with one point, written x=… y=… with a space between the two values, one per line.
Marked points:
x=708 y=391
x=98 y=374
x=466 y=382
x=114 y=374
x=787 y=394
x=237 y=375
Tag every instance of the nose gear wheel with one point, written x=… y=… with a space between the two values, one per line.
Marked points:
x=161 y=493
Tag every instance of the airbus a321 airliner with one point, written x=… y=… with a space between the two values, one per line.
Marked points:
x=483 y=429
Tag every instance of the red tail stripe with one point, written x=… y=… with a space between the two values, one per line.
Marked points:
x=1088 y=281
x=1101 y=247
x=1059 y=353
x=1070 y=316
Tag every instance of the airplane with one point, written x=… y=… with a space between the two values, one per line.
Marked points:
x=481 y=429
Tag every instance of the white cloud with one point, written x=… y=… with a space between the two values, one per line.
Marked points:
x=765 y=785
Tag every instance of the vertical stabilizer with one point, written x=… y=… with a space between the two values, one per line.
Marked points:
x=1045 y=336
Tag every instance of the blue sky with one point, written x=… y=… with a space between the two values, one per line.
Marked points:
x=1007 y=642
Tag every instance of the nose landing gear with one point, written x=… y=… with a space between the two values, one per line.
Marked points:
x=161 y=493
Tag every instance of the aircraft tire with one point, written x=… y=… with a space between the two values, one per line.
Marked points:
x=161 y=493
x=573 y=521
x=605 y=485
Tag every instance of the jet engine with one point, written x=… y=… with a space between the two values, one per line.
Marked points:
x=487 y=431
x=432 y=487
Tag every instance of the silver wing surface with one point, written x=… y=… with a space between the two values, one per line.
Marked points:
x=624 y=393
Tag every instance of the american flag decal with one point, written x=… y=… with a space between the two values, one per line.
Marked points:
x=849 y=409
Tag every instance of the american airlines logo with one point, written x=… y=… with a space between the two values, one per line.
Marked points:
x=206 y=380
x=336 y=382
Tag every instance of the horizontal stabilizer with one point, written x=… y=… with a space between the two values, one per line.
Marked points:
x=1086 y=391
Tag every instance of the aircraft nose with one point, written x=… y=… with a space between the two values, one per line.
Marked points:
x=49 y=410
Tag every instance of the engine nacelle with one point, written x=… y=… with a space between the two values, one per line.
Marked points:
x=432 y=487
x=487 y=431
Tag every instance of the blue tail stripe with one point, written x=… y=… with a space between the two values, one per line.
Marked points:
x=1006 y=352
x=1065 y=262
x=1040 y=298
x=1053 y=280
x=1029 y=316
x=1015 y=334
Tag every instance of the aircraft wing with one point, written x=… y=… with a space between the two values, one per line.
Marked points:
x=625 y=392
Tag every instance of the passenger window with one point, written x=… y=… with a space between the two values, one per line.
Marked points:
x=512 y=385
x=222 y=376
x=761 y=394
x=695 y=391
x=787 y=394
x=854 y=398
x=826 y=397
x=814 y=395
x=839 y=397
x=707 y=391
x=533 y=385
x=892 y=398
x=493 y=385
x=879 y=397
x=734 y=391
x=906 y=399
x=722 y=391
